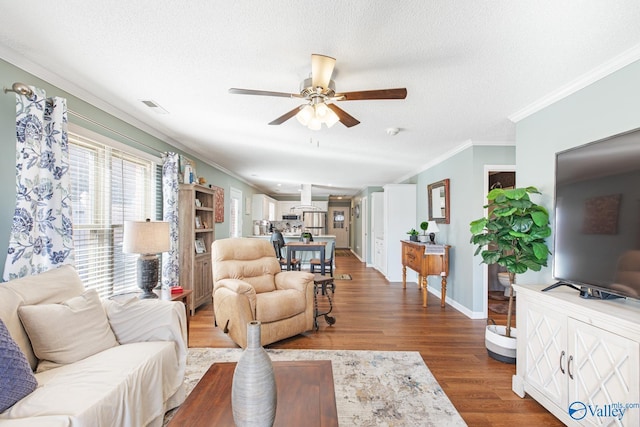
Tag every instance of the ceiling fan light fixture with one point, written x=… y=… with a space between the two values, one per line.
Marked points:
x=314 y=124
x=321 y=111
x=331 y=118
x=321 y=70
x=305 y=115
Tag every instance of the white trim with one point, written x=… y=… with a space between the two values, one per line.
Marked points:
x=485 y=267
x=474 y=315
x=62 y=83
x=625 y=58
x=447 y=155
x=65 y=85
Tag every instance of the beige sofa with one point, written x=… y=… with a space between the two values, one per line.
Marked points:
x=248 y=285
x=132 y=382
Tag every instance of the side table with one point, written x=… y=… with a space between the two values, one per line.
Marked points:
x=320 y=284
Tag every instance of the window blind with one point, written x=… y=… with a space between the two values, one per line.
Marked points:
x=109 y=186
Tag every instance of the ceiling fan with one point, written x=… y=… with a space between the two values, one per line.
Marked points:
x=319 y=92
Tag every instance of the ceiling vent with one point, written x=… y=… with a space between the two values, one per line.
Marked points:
x=154 y=106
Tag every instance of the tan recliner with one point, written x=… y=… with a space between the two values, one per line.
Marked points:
x=248 y=285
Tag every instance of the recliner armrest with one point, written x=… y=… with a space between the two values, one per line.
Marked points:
x=297 y=280
x=236 y=285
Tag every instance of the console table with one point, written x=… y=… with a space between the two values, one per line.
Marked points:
x=426 y=260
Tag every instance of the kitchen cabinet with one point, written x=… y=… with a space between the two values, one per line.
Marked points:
x=377 y=230
x=574 y=350
x=263 y=207
x=286 y=208
x=378 y=255
x=321 y=205
x=196 y=220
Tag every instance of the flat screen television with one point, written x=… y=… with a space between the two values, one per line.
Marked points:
x=597 y=217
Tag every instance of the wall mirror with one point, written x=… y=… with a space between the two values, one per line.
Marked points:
x=438 y=198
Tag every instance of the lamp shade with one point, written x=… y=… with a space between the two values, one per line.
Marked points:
x=433 y=227
x=146 y=237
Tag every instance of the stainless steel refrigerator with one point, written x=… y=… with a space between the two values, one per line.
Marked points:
x=315 y=222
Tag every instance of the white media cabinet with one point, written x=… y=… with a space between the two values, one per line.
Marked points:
x=572 y=349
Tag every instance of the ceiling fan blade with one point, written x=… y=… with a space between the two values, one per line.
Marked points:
x=321 y=70
x=237 y=91
x=286 y=116
x=399 y=93
x=345 y=118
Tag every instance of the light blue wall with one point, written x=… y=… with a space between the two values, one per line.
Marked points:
x=465 y=171
x=10 y=74
x=604 y=108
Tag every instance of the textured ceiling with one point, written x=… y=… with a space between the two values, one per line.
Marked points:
x=467 y=65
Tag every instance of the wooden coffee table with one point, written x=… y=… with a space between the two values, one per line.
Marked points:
x=306 y=396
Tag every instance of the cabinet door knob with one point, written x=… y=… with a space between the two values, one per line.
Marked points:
x=561 y=361
x=569 y=367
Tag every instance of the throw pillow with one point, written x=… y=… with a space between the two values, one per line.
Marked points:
x=16 y=378
x=67 y=332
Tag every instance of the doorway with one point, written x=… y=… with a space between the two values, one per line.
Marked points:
x=339 y=225
x=235 y=212
x=496 y=176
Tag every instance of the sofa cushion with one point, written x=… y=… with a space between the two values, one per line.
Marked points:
x=51 y=287
x=67 y=332
x=125 y=385
x=16 y=377
x=278 y=305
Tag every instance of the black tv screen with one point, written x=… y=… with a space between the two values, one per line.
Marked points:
x=597 y=217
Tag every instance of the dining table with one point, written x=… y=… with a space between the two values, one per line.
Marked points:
x=293 y=247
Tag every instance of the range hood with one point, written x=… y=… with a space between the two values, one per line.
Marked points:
x=305 y=199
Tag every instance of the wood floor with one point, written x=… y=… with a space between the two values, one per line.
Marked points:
x=372 y=314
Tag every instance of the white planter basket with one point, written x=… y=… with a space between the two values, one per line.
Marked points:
x=498 y=345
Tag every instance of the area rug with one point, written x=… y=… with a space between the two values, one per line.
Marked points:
x=343 y=277
x=373 y=388
x=343 y=252
x=501 y=307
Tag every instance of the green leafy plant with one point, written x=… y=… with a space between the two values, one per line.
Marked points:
x=513 y=235
x=424 y=225
x=412 y=232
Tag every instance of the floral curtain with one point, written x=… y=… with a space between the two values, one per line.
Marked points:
x=42 y=233
x=170 y=266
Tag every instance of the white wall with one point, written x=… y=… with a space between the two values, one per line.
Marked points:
x=605 y=108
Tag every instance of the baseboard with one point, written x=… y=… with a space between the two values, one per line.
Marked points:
x=474 y=315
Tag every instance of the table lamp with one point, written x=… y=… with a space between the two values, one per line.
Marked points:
x=432 y=229
x=146 y=238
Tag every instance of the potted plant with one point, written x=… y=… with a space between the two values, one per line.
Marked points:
x=413 y=235
x=306 y=237
x=513 y=236
x=424 y=225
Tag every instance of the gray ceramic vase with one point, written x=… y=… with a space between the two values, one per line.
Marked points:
x=253 y=392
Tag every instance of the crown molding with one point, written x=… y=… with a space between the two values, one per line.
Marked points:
x=625 y=58
x=65 y=85
x=459 y=148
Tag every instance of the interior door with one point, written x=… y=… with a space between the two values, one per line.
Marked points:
x=339 y=225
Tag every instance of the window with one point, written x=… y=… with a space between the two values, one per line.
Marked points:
x=109 y=184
